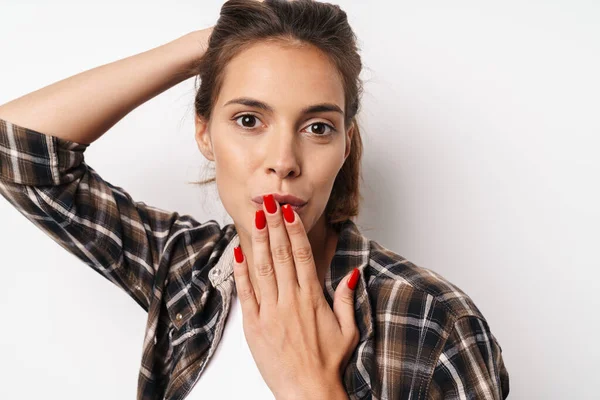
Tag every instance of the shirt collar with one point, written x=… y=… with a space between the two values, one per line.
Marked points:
x=352 y=251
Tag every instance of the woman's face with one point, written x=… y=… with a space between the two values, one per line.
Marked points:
x=262 y=139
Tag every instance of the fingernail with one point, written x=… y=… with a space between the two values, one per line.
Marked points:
x=239 y=256
x=288 y=213
x=269 y=201
x=260 y=219
x=353 y=279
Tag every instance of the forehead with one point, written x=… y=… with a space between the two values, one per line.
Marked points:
x=284 y=76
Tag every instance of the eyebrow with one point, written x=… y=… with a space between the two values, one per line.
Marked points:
x=322 y=107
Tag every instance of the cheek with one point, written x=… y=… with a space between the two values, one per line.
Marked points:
x=322 y=176
x=324 y=167
x=235 y=165
x=232 y=159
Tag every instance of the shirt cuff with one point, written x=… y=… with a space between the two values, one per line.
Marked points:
x=29 y=157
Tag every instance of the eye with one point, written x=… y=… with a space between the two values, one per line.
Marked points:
x=247 y=120
x=319 y=132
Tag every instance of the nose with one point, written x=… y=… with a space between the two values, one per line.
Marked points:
x=283 y=155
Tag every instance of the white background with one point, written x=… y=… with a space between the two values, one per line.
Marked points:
x=481 y=127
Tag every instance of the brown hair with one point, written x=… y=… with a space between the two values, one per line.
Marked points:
x=245 y=22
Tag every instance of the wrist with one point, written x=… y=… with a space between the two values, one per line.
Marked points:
x=335 y=392
x=190 y=48
x=332 y=390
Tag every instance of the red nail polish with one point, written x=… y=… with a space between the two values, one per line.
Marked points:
x=239 y=256
x=260 y=219
x=269 y=201
x=353 y=279
x=288 y=213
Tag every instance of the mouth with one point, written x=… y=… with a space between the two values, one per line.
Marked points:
x=296 y=208
x=296 y=203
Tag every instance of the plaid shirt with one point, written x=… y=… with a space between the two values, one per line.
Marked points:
x=420 y=336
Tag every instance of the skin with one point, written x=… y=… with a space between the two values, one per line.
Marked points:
x=281 y=154
x=300 y=345
x=296 y=340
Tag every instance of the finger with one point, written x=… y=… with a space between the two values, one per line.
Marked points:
x=244 y=286
x=265 y=274
x=343 y=303
x=280 y=248
x=306 y=270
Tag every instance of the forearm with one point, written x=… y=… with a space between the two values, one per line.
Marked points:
x=83 y=107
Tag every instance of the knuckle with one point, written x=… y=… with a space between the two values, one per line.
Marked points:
x=275 y=222
x=264 y=269
x=313 y=295
x=288 y=305
x=246 y=294
x=262 y=238
x=295 y=229
x=282 y=253
x=303 y=254
x=347 y=300
x=317 y=300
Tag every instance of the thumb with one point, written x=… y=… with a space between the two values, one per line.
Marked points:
x=343 y=303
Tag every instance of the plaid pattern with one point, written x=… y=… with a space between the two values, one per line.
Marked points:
x=420 y=336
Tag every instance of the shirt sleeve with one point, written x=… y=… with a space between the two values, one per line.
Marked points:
x=470 y=365
x=46 y=179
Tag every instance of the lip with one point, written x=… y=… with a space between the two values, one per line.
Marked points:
x=296 y=202
x=259 y=206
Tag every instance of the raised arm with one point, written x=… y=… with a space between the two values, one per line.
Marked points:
x=83 y=107
x=43 y=174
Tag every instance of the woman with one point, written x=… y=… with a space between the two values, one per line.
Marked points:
x=326 y=312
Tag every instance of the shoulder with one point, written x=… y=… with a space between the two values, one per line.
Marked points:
x=419 y=315
x=392 y=278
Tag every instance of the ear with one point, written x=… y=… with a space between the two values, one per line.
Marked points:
x=349 y=134
x=203 y=138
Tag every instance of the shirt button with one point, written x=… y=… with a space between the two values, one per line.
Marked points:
x=178 y=317
x=216 y=271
